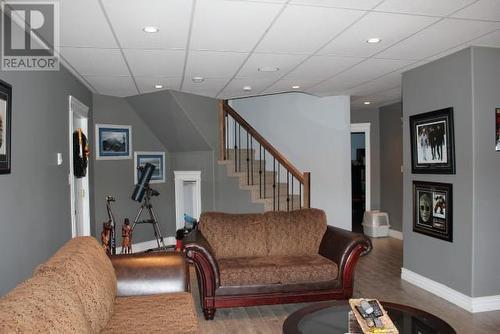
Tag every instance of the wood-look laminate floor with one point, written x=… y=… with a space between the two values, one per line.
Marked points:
x=377 y=276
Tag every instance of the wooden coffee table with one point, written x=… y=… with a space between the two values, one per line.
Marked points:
x=332 y=318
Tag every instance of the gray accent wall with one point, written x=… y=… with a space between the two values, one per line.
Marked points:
x=35 y=197
x=391 y=160
x=371 y=116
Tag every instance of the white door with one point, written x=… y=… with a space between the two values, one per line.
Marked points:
x=79 y=192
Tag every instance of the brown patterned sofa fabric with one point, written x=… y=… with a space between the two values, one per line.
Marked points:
x=271 y=258
x=75 y=292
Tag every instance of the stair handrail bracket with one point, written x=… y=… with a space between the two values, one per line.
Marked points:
x=232 y=126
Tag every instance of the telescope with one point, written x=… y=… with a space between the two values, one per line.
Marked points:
x=143 y=185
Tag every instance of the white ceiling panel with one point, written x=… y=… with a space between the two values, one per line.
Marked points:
x=423 y=7
x=235 y=87
x=381 y=25
x=129 y=17
x=90 y=61
x=231 y=25
x=78 y=30
x=377 y=85
x=212 y=64
x=491 y=40
x=322 y=67
x=286 y=86
x=381 y=98
x=439 y=37
x=166 y=63
x=116 y=86
x=303 y=29
x=481 y=10
x=282 y=61
x=209 y=87
x=353 y=4
x=147 y=84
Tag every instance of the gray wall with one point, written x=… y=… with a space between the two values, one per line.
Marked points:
x=116 y=177
x=440 y=84
x=371 y=116
x=391 y=160
x=35 y=197
x=486 y=88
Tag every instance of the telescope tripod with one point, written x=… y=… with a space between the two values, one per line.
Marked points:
x=146 y=204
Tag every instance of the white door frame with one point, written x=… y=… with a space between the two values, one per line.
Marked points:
x=179 y=178
x=365 y=128
x=78 y=110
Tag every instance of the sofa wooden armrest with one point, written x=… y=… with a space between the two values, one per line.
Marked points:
x=149 y=274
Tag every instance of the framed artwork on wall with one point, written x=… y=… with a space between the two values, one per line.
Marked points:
x=5 y=127
x=432 y=142
x=155 y=158
x=497 y=133
x=113 y=142
x=433 y=209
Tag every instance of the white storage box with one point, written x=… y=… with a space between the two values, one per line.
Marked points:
x=376 y=224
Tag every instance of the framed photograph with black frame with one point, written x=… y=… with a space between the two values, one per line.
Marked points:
x=432 y=142
x=433 y=209
x=5 y=126
x=497 y=133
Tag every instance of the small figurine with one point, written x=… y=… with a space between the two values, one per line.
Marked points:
x=106 y=237
x=126 y=237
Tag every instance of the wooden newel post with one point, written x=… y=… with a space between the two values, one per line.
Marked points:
x=222 y=131
x=307 y=190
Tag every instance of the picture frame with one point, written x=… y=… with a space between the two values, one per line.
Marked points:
x=433 y=142
x=433 y=209
x=155 y=158
x=5 y=127
x=497 y=129
x=113 y=142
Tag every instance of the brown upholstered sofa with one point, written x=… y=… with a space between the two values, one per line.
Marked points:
x=271 y=258
x=80 y=290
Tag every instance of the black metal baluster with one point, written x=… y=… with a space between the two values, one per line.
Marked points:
x=279 y=185
x=274 y=184
x=239 y=147
x=287 y=191
x=251 y=161
x=235 y=149
x=300 y=195
x=264 y=173
x=227 y=137
x=248 y=164
x=260 y=170
x=292 y=191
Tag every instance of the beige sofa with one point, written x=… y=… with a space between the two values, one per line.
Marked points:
x=80 y=290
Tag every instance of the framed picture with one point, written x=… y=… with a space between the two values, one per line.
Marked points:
x=5 y=126
x=497 y=135
x=433 y=209
x=113 y=141
x=432 y=142
x=155 y=158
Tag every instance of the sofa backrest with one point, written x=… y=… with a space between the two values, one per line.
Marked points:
x=272 y=233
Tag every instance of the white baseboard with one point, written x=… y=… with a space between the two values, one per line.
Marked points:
x=144 y=246
x=471 y=304
x=395 y=234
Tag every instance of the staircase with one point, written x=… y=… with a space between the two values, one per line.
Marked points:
x=272 y=180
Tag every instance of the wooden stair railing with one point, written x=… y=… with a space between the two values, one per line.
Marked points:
x=281 y=167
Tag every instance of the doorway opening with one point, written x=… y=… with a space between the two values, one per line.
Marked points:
x=79 y=187
x=360 y=173
x=187 y=195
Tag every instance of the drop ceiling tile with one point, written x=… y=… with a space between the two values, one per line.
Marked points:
x=286 y=86
x=377 y=85
x=115 y=86
x=381 y=25
x=354 y=4
x=303 y=29
x=91 y=61
x=423 y=7
x=322 y=67
x=165 y=63
x=210 y=87
x=490 y=40
x=284 y=62
x=439 y=37
x=235 y=87
x=129 y=17
x=230 y=25
x=147 y=84
x=78 y=30
x=212 y=64
x=380 y=99
x=481 y=10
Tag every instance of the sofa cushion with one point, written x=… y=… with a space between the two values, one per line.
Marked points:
x=234 y=235
x=276 y=270
x=89 y=273
x=294 y=233
x=43 y=304
x=166 y=313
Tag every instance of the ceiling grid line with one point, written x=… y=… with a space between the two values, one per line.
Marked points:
x=188 y=42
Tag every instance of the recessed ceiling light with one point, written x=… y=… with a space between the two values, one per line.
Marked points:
x=247 y=88
x=158 y=86
x=373 y=40
x=295 y=86
x=198 y=79
x=269 y=69
x=367 y=102
x=150 y=29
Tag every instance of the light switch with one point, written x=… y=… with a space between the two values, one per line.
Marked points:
x=59 y=159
